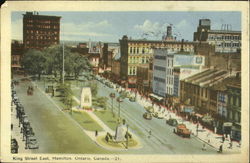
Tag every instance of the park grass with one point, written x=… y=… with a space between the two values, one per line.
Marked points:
x=132 y=143
x=107 y=117
x=86 y=121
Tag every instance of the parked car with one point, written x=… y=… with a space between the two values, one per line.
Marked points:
x=132 y=99
x=32 y=142
x=14 y=146
x=172 y=122
x=147 y=116
x=182 y=130
x=157 y=115
x=149 y=109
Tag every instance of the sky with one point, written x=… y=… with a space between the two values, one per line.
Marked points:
x=111 y=26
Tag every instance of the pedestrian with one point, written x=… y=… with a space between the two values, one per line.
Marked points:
x=220 y=148
x=223 y=139
x=204 y=147
x=230 y=145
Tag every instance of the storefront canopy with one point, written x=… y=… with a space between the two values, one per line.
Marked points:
x=156 y=97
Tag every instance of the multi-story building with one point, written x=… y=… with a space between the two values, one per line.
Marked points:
x=198 y=89
x=40 y=31
x=17 y=51
x=136 y=53
x=169 y=68
x=144 y=78
x=225 y=40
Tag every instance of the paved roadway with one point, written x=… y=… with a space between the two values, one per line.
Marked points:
x=56 y=132
x=162 y=139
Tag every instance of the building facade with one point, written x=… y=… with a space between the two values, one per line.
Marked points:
x=169 y=68
x=136 y=53
x=17 y=51
x=225 y=40
x=40 y=31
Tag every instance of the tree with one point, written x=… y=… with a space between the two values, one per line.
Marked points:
x=33 y=62
x=74 y=63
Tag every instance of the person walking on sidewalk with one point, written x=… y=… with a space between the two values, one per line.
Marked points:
x=223 y=139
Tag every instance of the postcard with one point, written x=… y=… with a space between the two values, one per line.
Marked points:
x=127 y=81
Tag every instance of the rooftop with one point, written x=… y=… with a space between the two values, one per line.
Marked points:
x=208 y=77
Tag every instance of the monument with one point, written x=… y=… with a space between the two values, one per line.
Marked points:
x=86 y=98
x=120 y=133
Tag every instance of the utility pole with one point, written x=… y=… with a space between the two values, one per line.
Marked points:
x=63 y=65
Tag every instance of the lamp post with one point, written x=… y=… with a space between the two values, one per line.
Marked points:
x=112 y=96
x=119 y=100
x=127 y=138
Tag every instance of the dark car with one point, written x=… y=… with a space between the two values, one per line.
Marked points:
x=14 y=146
x=32 y=142
x=147 y=116
x=172 y=122
x=132 y=99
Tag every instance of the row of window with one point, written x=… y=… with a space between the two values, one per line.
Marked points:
x=41 y=38
x=132 y=70
x=42 y=32
x=169 y=90
x=159 y=68
x=160 y=57
x=170 y=80
x=43 y=26
x=137 y=50
x=223 y=37
x=138 y=60
x=230 y=44
x=159 y=79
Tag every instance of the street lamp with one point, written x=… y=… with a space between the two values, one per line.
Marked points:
x=112 y=96
x=127 y=138
x=119 y=100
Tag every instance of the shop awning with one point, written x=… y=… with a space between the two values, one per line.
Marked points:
x=227 y=124
x=156 y=97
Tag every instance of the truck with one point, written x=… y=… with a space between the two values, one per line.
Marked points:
x=182 y=130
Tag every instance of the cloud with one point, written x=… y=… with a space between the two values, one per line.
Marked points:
x=182 y=24
x=17 y=29
x=151 y=29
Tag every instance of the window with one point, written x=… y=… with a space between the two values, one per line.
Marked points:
x=137 y=50
x=159 y=79
x=160 y=57
x=131 y=49
x=160 y=68
x=134 y=50
x=143 y=59
x=143 y=50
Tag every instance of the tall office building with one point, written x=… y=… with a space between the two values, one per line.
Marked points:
x=40 y=31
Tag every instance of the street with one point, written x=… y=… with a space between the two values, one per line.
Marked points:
x=162 y=140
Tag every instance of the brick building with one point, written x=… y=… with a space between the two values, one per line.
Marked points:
x=40 y=31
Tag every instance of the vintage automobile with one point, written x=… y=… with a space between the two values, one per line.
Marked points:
x=132 y=99
x=14 y=146
x=182 y=130
x=32 y=142
x=149 y=109
x=172 y=122
x=147 y=116
x=157 y=115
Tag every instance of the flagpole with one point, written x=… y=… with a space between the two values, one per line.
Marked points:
x=63 y=65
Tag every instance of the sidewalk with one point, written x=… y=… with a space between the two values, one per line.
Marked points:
x=204 y=135
x=16 y=131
